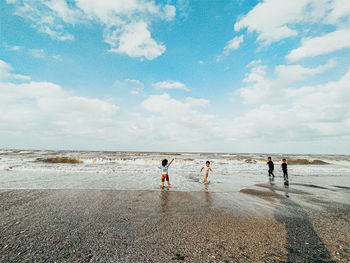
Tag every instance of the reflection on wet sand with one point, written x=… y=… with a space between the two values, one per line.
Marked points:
x=286 y=190
x=164 y=199
x=207 y=195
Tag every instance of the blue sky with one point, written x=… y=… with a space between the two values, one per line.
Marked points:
x=222 y=76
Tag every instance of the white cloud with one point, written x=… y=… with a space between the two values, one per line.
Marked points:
x=194 y=102
x=57 y=57
x=134 y=86
x=16 y=48
x=262 y=89
x=292 y=73
x=108 y=11
x=61 y=9
x=5 y=73
x=37 y=53
x=56 y=35
x=43 y=18
x=340 y=10
x=169 y=12
x=311 y=113
x=274 y=20
x=270 y=19
x=170 y=85
x=48 y=107
x=11 y=1
x=135 y=40
x=177 y=122
x=233 y=44
x=183 y=7
x=325 y=44
x=125 y=23
x=164 y=103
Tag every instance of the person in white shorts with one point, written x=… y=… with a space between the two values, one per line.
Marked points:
x=206 y=170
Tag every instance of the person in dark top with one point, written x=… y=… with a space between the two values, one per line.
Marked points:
x=271 y=166
x=284 y=169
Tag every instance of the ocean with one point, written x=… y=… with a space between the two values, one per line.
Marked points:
x=29 y=169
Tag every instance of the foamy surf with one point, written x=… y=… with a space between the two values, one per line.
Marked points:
x=104 y=161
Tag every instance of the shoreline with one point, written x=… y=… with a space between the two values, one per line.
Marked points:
x=168 y=226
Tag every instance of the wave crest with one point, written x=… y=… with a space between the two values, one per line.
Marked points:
x=60 y=160
x=306 y=161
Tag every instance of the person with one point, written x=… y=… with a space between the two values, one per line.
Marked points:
x=206 y=170
x=285 y=172
x=164 y=167
x=271 y=166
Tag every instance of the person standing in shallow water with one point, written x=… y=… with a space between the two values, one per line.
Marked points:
x=206 y=171
x=164 y=167
x=285 y=172
x=271 y=166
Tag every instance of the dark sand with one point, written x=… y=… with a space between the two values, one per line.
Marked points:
x=168 y=226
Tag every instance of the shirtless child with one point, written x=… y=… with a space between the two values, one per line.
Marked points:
x=206 y=170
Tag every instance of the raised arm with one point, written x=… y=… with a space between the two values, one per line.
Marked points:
x=171 y=161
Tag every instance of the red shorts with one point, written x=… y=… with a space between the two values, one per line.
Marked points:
x=165 y=176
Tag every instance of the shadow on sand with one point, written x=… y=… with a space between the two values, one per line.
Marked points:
x=303 y=244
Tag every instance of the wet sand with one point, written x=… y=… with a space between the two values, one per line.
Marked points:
x=264 y=223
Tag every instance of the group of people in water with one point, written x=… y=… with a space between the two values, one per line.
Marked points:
x=165 y=167
x=283 y=166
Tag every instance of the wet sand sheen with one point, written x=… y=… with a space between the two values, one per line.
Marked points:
x=161 y=226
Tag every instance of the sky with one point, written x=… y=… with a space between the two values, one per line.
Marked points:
x=191 y=76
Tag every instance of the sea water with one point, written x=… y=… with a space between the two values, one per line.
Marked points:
x=25 y=169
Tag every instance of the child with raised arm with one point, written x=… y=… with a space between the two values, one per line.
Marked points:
x=164 y=167
x=206 y=170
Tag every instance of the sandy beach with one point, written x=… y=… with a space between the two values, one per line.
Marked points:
x=264 y=223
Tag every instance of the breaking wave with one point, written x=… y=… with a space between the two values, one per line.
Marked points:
x=60 y=160
x=306 y=161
